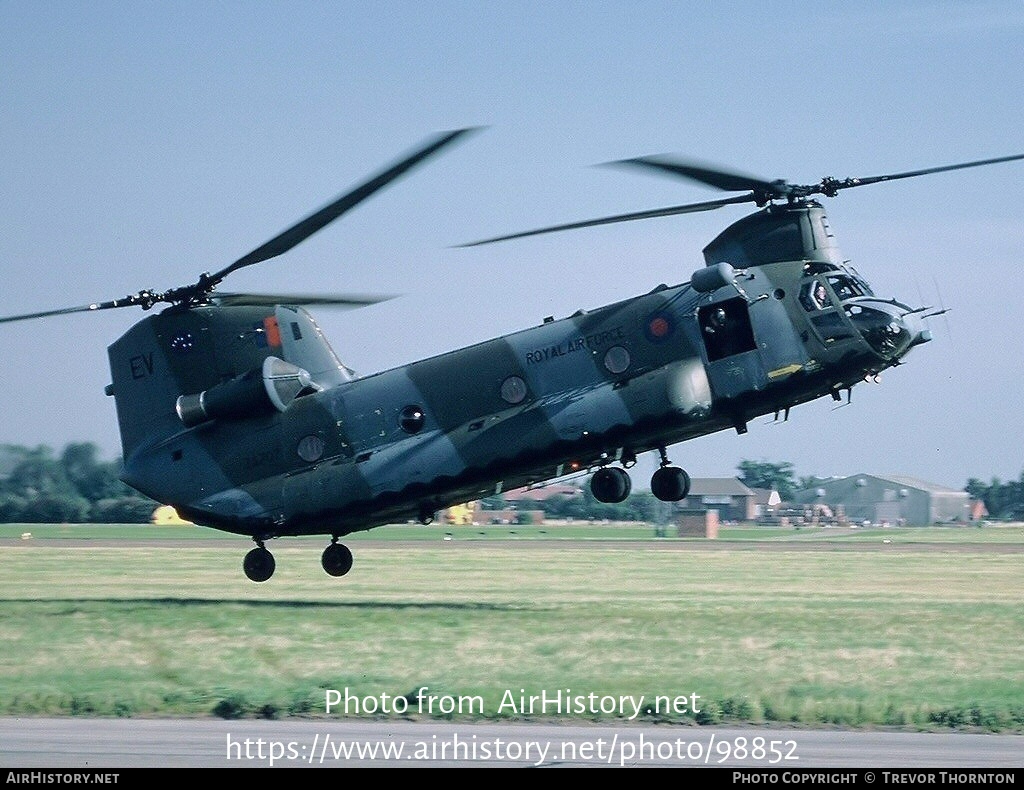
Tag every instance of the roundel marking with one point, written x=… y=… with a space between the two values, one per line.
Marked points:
x=660 y=327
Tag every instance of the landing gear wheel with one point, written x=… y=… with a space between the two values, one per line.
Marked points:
x=336 y=559
x=259 y=564
x=610 y=484
x=670 y=484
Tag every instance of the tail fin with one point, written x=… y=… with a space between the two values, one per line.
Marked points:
x=188 y=351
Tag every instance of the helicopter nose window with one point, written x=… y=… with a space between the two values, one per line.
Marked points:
x=814 y=296
x=885 y=332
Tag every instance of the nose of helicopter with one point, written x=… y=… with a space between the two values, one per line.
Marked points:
x=890 y=328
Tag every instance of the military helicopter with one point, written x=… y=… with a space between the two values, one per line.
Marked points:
x=234 y=409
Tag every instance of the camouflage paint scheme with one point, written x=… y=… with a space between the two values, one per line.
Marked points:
x=338 y=453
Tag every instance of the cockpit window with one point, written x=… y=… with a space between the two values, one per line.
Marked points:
x=861 y=282
x=817 y=267
x=845 y=287
x=814 y=296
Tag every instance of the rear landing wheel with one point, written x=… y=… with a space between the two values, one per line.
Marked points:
x=670 y=484
x=610 y=484
x=336 y=559
x=259 y=564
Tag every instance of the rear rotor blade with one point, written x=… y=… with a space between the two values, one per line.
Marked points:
x=128 y=301
x=305 y=228
x=199 y=293
x=658 y=212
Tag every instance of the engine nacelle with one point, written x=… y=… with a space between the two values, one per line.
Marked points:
x=711 y=278
x=259 y=391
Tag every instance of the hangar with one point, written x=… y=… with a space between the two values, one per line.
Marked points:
x=890 y=499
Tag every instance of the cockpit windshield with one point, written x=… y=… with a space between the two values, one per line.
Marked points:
x=843 y=285
x=847 y=287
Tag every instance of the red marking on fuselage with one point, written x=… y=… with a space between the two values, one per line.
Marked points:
x=273 y=331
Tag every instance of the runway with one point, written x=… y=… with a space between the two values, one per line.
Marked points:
x=110 y=744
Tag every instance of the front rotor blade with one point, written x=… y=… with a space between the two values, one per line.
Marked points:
x=307 y=227
x=333 y=300
x=857 y=182
x=658 y=212
x=705 y=174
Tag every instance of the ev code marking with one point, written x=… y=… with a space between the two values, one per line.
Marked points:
x=141 y=365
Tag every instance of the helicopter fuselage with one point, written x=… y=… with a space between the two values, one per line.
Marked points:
x=338 y=453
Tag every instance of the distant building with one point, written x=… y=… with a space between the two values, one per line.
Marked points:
x=890 y=499
x=733 y=500
x=766 y=501
x=522 y=506
x=697 y=524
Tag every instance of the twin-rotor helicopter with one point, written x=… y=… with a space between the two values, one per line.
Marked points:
x=234 y=409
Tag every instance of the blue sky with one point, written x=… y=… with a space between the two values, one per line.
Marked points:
x=144 y=143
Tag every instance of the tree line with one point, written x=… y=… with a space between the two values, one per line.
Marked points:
x=1002 y=500
x=38 y=486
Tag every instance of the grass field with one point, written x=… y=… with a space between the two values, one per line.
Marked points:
x=920 y=628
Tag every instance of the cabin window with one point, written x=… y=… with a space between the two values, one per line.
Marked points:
x=412 y=419
x=310 y=448
x=726 y=328
x=513 y=390
x=616 y=360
